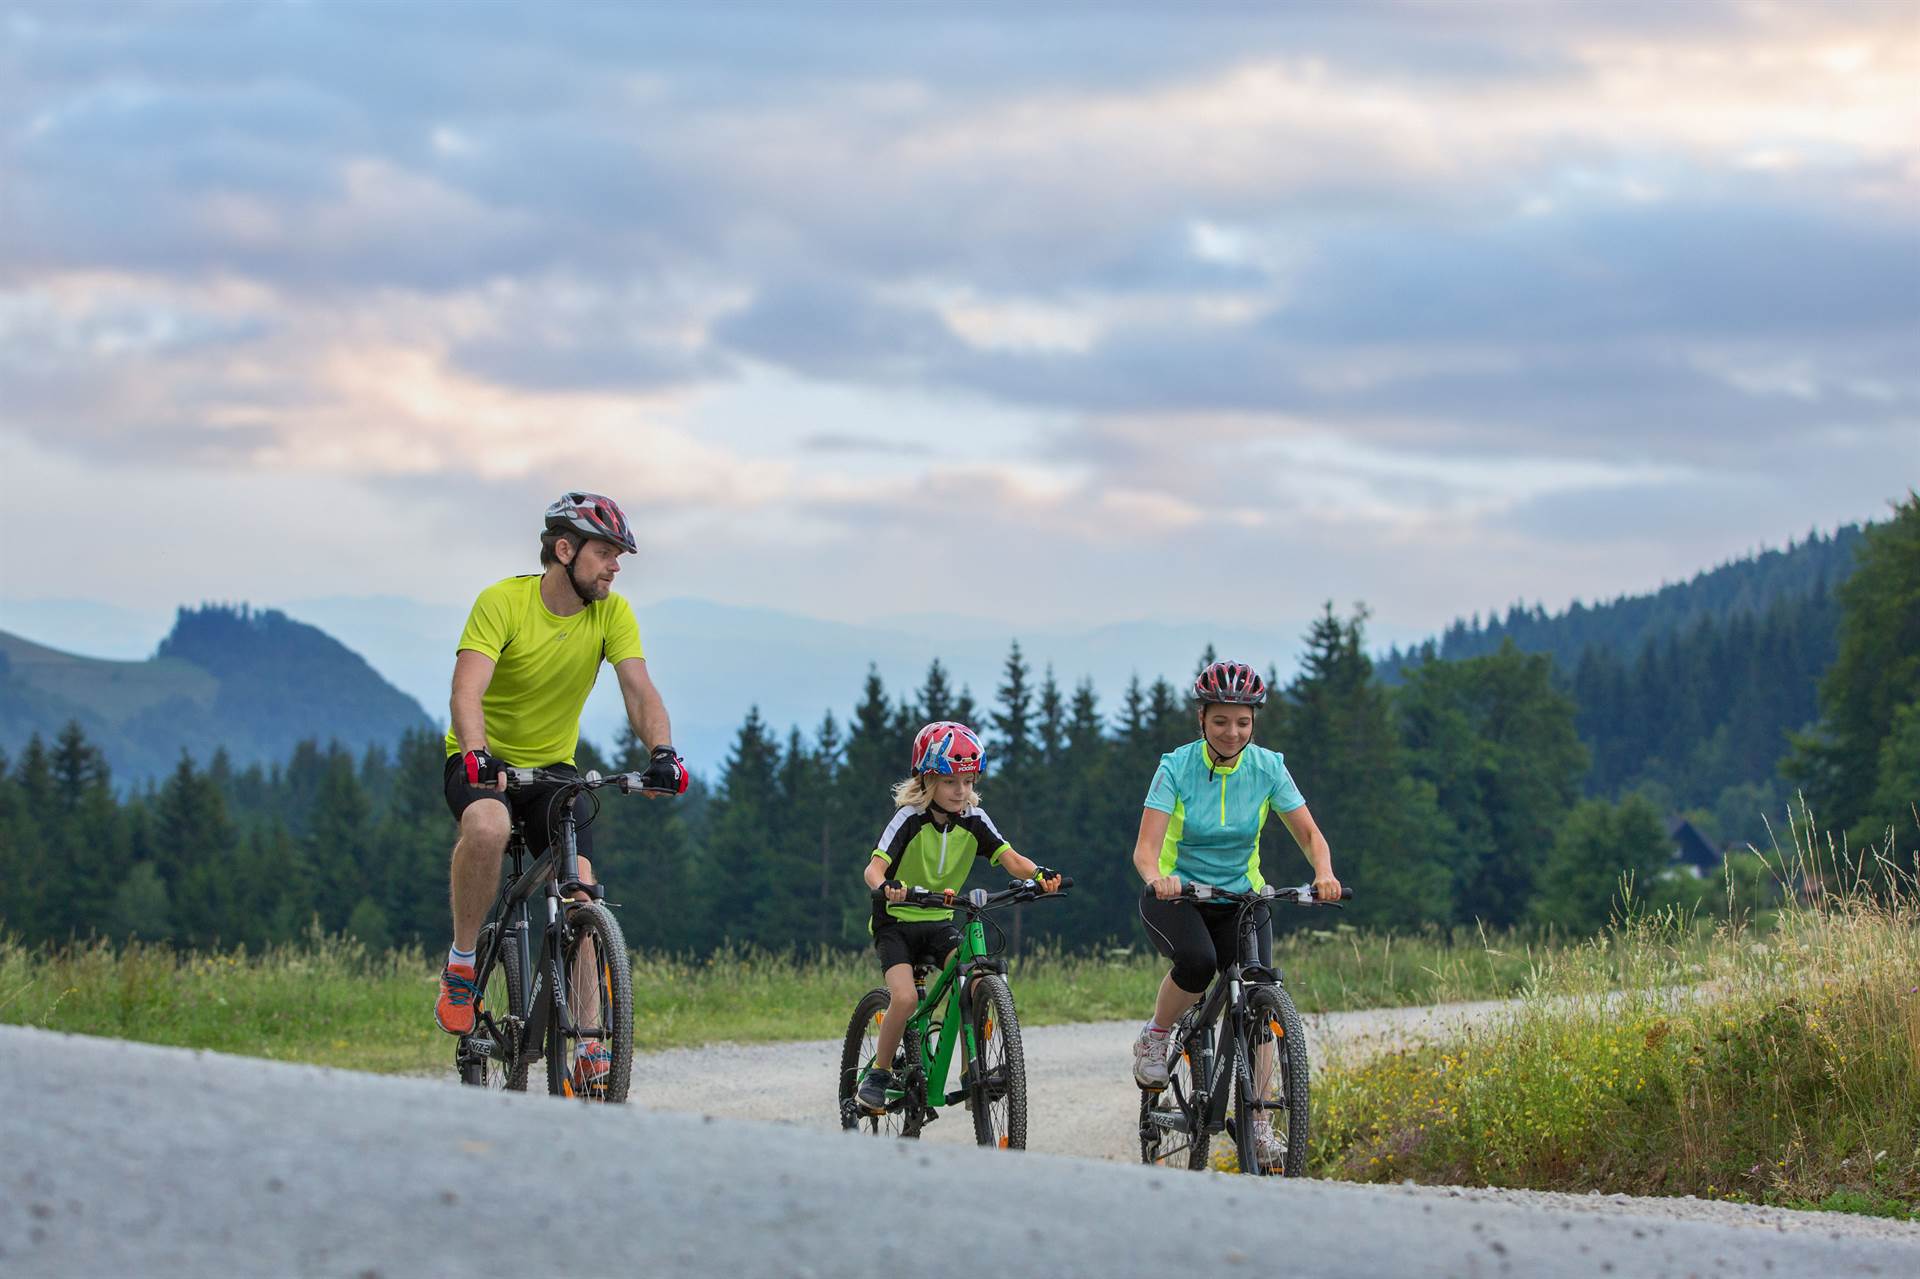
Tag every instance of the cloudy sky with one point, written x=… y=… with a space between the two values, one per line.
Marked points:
x=1058 y=313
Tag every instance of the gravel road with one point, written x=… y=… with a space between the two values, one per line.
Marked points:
x=131 y=1159
x=1082 y=1100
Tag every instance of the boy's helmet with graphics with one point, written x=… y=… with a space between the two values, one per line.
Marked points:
x=946 y=747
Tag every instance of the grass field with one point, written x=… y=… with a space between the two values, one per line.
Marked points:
x=1781 y=1067
x=329 y=1002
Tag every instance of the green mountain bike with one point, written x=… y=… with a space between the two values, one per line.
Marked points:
x=968 y=1012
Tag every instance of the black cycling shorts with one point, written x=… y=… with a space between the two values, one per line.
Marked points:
x=530 y=808
x=915 y=941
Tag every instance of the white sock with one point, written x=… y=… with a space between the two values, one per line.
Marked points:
x=457 y=956
x=1155 y=1028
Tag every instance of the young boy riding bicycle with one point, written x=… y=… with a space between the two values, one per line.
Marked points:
x=937 y=833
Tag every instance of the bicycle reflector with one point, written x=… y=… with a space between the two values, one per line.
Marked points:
x=978 y=898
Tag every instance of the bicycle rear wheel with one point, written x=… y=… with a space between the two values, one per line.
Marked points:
x=505 y=987
x=596 y=968
x=856 y=1056
x=1273 y=1025
x=998 y=1087
x=1173 y=1121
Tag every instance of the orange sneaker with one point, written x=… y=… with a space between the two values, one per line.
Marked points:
x=459 y=998
x=591 y=1063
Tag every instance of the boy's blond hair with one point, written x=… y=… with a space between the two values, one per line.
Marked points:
x=917 y=792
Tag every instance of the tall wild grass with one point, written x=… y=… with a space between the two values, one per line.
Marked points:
x=1780 y=1062
x=329 y=1001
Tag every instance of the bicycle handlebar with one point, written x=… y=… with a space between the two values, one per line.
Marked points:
x=1301 y=894
x=1017 y=891
x=625 y=783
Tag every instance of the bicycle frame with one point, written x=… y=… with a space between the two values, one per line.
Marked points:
x=555 y=874
x=1216 y=1064
x=950 y=988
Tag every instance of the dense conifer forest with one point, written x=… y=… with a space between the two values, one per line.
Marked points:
x=1489 y=786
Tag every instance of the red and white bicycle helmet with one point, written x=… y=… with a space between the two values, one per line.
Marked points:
x=596 y=516
x=1229 y=684
x=947 y=747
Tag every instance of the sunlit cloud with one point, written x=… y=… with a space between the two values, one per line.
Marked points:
x=1359 y=287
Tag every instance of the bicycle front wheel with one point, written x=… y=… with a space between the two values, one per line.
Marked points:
x=997 y=1087
x=857 y=1055
x=498 y=1061
x=1274 y=1032
x=1173 y=1120
x=599 y=985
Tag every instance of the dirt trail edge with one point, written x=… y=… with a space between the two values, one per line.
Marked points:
x=132 y=1159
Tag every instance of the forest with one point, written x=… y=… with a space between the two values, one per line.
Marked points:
x=1488 y=788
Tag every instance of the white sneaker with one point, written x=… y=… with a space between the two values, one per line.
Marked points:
x=1268 y=1147
x=1150 y=1059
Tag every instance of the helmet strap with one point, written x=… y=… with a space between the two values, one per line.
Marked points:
x=573 y=581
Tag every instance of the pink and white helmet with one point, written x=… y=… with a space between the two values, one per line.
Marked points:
x=947 y=747
x=1229 y=684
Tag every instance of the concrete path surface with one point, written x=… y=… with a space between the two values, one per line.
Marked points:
x=128 y=1159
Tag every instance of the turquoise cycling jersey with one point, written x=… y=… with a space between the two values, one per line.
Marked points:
x=1213 y=835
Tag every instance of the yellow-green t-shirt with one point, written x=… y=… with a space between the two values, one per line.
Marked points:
x=544 y=667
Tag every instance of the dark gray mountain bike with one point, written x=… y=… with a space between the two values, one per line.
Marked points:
x=552 y=971
x=1209 y=1065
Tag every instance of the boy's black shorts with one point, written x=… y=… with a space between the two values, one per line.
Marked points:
x=911 y=941
x=530 y=807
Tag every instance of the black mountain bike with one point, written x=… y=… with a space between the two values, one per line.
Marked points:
x=545 y=991
x=1205 y=1064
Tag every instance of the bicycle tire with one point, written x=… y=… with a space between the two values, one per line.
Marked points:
x=863 y=1030
x=1158 y=1144
x=484 y=1072
x=592 y=921
x=1268 y=1008
x=998 y=1089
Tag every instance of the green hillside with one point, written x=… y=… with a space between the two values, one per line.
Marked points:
x=254 y=684
x=1688 y=694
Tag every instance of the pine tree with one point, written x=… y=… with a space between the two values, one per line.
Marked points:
x=1859 y=761
x=1336 y=730
x=936 y=694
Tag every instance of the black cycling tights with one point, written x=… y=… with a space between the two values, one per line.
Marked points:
x=1199 y=938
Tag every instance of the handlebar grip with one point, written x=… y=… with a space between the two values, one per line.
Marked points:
x=1346 y=893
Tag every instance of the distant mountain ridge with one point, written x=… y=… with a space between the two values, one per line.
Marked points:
x=1749 y=586
x=254 y=683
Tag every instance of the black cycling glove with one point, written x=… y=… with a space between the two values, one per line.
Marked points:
x=481 y=767
x=666 y=771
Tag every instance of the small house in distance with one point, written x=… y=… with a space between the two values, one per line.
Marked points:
x=1692 y=850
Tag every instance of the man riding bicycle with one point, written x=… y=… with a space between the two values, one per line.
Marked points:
x=527 y=659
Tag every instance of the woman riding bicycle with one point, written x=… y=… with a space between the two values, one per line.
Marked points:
x=1201 y=824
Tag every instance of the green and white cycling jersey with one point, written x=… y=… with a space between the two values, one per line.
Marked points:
x=933 y=849
x=1215 y=814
